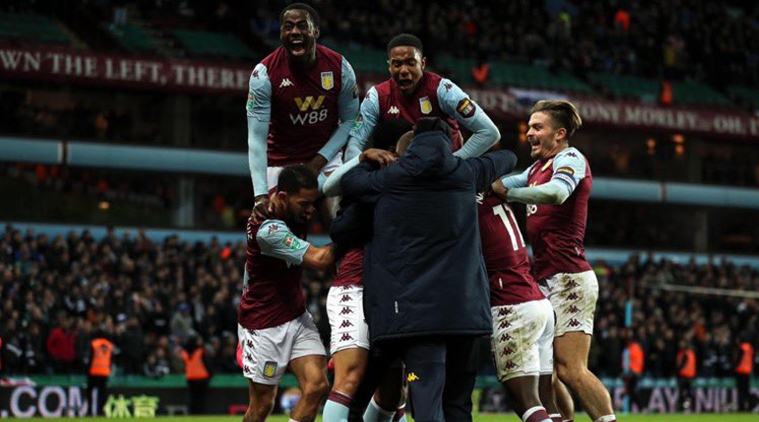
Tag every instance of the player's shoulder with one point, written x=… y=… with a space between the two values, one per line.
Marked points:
x=332 y=57
x=570 y=153
x=384 y=87
x=271 y=228
x=275 y=58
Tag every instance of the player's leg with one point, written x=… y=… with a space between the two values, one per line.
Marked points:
x=545 y=351
x=308 y=362
x=389 y=394
x=563 y=400
x=310 y=371
x=263 y=364
x=425 y=369
x=460 y=375
x=261 y=401
x=349 y=344
x=573 y=297
x=517 y=331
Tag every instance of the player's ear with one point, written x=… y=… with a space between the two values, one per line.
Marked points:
x=424 y=62
x=561 y=134
x=316 y=33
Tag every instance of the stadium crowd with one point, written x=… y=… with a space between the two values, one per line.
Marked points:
x=152 y=297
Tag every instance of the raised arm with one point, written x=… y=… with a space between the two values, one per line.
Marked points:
x=455 y=102
x=258 y=108
x=364 y=125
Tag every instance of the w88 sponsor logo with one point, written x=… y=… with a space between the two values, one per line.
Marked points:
x=315 y=115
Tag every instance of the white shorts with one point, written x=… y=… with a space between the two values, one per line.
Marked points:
x=573 y=297
x=345 y=310
x=267 y=352
x=522 y=341
x=272 y=173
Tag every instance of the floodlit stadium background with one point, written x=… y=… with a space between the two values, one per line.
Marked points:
x=125 y=185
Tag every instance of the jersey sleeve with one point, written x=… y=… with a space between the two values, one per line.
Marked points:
x=258 y=108
x=455 y=102
x=347 y=104
x=276 y=240
x=569 y=167
x=516 y=180
x=363 y=125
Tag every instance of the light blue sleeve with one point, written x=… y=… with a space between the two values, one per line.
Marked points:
x=455 y=102
x=258 y=108
x=276 y=240
x=517 y=180
x=331 y=186
x=570 y=167
x=364 y=125
x=347 y=104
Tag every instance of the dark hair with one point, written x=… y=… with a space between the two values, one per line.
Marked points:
x=294 y=178
x=405 y=40
x=301 y=6
x=563 y=113
x=387 y=133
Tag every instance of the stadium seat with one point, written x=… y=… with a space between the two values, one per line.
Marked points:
x=30 y=27
x=203 y=43
x=746 y=94
x=691 y=92
x=623 y=86
x=134 y=38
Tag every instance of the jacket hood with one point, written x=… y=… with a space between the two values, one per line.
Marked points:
x=429 y=154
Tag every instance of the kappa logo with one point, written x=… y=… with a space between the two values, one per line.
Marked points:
x=285 y=83
x=573 y=309
x=248 y=356
x=346 y=310
x=393 y=110
x=249 y=343
x=504 y=324
x=346 y=287
x=573 y=323
x=246 y=369
x=571 y=154
x=505 y=337
x=411 y=377
x=572 y=283
x=346 y=324
x=448 y=86
x=510 y=365
x=346 y=337
x=507 y=351
x=273 y=228
x=573 y=296
x=255 y=74
x=504 y=311
x=345 y=298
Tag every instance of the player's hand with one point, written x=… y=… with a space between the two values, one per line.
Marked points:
x=262 y=208
x=379 y=156
x=500 y=190
x=317 y=163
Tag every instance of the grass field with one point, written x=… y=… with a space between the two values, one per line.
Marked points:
x=717 y=417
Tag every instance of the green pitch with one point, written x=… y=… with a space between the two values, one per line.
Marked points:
x=721 y=417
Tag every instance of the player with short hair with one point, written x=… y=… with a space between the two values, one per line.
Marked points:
x=523 y=319
x=412 y=93
x=556 y=189
x=302 y=102
x=274 y=329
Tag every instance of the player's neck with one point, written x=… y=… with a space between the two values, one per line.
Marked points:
x=307 y=63
x=559 y=148
x=279 y=207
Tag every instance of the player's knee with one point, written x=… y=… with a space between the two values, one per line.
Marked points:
x=348 y=384
x=570 y=373
x=316 y=390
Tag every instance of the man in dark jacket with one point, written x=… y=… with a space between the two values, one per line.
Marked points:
x=426 y=288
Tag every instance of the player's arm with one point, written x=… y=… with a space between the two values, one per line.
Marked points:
x=491 y=166
x=454 y=102
x=507 y=182
x=364 y=125
x=364 y=181
x=276 y=240
x=331 y=186
x=347 y=104
x=258 y=108
x=568 y=170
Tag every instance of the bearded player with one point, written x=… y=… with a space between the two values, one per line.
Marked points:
x=302 y=102
x=274 y=329
x=556 y=189
x=412 y=93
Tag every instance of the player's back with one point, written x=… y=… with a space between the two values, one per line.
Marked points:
x=505 y=254
x=272 y=292
x=557 y=232
x=422 y=103
x=304 y=104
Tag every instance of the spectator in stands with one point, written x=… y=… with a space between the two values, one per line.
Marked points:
x=686 y=372
x=182 y=324
x=61 y=344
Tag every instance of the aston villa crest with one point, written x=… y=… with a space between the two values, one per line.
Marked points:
x=425 y=105
x=328 y=80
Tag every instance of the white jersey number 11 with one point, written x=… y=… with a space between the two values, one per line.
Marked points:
x=510 y=222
